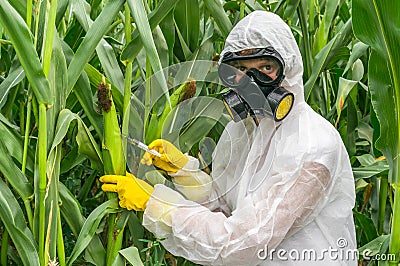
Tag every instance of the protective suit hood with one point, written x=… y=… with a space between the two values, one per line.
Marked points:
x=254 y=31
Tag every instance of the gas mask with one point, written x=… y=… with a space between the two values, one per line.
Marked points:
x=254 y=93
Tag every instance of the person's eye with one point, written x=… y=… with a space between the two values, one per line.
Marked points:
x=267 y=67
x=242 y=68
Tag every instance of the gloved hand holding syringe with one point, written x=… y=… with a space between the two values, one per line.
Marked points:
x=142 y=146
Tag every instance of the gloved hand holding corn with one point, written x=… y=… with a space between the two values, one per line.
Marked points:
x=133 y=193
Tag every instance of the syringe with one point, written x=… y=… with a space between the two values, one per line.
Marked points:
x=142 y=146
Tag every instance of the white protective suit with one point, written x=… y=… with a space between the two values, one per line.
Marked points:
x=286 y=186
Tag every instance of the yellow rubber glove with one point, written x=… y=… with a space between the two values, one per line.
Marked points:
x=171 y=159
x=133 y=193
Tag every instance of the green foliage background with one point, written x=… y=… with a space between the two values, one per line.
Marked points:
x=55 y=143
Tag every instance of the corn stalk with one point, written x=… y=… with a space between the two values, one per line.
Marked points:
x=42 y=158
x=114 y=162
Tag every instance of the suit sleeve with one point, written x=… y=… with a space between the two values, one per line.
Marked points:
x=265 y=218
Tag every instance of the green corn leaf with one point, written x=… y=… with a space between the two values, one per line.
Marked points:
x=110 y=64
x=13 y=174
x=12 y=140
x=206 y=147
x=329 y=15
x=135 y=129
x=7 y=123
x=358 y=50
x=90 y=226
x=64 y=120
x=155 y=17
x=357 y=70
x=14 y=78
x=72 y=215
x=366 y=223
x=57 y=77
x=216 y=10
x=49 y=29
x=377 y=24
x=365 y=131
x=208 y=112
x=376 y=169
x=168 y=28
x=92 y=38
x=352 y=123
x=86 y=143
x=131 y=254
x=191 y=121
x=118 y=260
x=374 y=25
x=366 y=159
x=375 y=246
x=136 y=230
x=291 y=7
x=311 y=16
x=61 y=10
x=360 y=185
x=344 y=11
x=181 y=48
x=88 y=146
x=52 y=210
x=204 y=51
x=140 y=16
x=344 y=89
x=12 y=218
x=22 y=41
x=84 y=94
x=20 y=7
x=152 y=130
x=320 y=38
x=161 y=46
x=325 y=55
x=156 y=177
x=187 y=17
x=104 y=50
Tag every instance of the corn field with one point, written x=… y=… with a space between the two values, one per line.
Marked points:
x=76 y=75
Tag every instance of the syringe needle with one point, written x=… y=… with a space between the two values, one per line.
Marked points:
x=142 y=146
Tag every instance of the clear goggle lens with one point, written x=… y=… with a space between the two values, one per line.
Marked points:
x=232 y=77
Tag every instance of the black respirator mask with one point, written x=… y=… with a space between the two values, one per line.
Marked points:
x=254 y=93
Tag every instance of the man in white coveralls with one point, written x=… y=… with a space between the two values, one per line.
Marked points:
x=281 y=189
